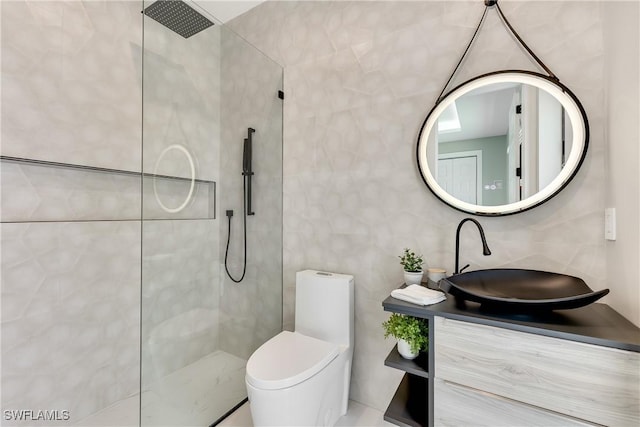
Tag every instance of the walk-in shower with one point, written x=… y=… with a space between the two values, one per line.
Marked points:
x=122 y=147
x=198 y=327
x=178 y=16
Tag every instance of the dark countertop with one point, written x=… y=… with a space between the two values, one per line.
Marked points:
x=596 y=324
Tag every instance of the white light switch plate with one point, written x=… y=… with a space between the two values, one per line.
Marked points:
x=610 y=223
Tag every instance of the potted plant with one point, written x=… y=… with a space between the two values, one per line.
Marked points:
x=412 y=334
x=412 y=265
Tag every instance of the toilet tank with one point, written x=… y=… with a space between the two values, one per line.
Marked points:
x=325 y=305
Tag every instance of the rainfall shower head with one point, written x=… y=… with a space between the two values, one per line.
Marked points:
x=177 y=16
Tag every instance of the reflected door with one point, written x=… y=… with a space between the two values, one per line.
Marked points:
x=458 y=176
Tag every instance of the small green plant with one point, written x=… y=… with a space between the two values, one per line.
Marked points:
x=411 y=329
x=410 y=261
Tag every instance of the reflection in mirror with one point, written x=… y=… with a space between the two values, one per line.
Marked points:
x=502 y=143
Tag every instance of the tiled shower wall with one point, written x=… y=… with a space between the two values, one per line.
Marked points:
x=250 y=311
x=360 y=78
x=74 y=247
x=70 y=239
x=71 y=82
x=181 y=101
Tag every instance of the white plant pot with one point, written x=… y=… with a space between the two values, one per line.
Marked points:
x=411 y=278
x=404 y=348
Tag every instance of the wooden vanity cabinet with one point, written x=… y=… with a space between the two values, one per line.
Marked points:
x=497 y=374
x=575 y=368
x=457 y=405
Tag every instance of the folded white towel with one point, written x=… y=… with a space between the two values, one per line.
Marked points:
x=420 y=295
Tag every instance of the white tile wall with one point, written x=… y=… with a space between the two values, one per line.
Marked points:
x=72 y=93
x=43 y=193
x=178 y=199
x=360 y=77
x=70 y=315
x=71 y=82
x=179 y=294
x=250 y=311
x=181 y=101
x=70 y=290
x=181 y=97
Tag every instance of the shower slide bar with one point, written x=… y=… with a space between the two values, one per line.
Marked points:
x=247 y=171
x=97 y=169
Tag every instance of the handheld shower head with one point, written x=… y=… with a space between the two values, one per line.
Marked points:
x=247 y=173
x=247 y=170
x=246 y=157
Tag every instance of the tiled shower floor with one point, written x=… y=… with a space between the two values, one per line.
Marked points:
x=195 y=395
x=198 y=394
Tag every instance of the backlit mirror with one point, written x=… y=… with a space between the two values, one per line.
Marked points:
x=502 y=143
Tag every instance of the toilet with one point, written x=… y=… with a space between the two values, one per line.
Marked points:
x=302 y=378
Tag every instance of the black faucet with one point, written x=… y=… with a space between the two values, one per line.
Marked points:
x=485 y=247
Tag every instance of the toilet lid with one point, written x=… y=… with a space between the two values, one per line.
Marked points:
x=288 y=359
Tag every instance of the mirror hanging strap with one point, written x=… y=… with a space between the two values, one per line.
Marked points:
x=488 y=4
x=455 y=70
x=517 y=36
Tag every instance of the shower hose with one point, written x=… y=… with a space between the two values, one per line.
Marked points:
x=229 y=215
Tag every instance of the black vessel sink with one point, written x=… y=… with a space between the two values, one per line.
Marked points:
x=521 y=290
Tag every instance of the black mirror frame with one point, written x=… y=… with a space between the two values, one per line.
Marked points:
x=532 y=205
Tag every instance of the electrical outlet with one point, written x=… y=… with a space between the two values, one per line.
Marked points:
x=610 y=223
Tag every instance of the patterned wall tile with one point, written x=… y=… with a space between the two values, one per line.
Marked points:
x=71 y=76
x=179 y=294
x=181 y=137
x=181 y=125
x=181 y=101
x=251 y=311
x=42 y=193
x=353 y=197
x=71 y=80
x=70 y=315
x=178 y=199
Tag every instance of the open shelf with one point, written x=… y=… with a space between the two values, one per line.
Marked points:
x=408 y=408
x=418 y=366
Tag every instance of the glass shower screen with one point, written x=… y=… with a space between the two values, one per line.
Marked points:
x=202 y=90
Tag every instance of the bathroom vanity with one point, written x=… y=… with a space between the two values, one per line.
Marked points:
x=567 y=367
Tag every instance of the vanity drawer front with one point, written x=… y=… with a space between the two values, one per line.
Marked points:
x=589 y=382
x=456 y=405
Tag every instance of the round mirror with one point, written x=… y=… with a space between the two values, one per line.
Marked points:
x=502 y=143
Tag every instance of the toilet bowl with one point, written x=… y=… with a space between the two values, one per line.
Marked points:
x=302 y=378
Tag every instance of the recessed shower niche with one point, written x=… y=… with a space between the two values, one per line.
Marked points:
x=121 y=149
